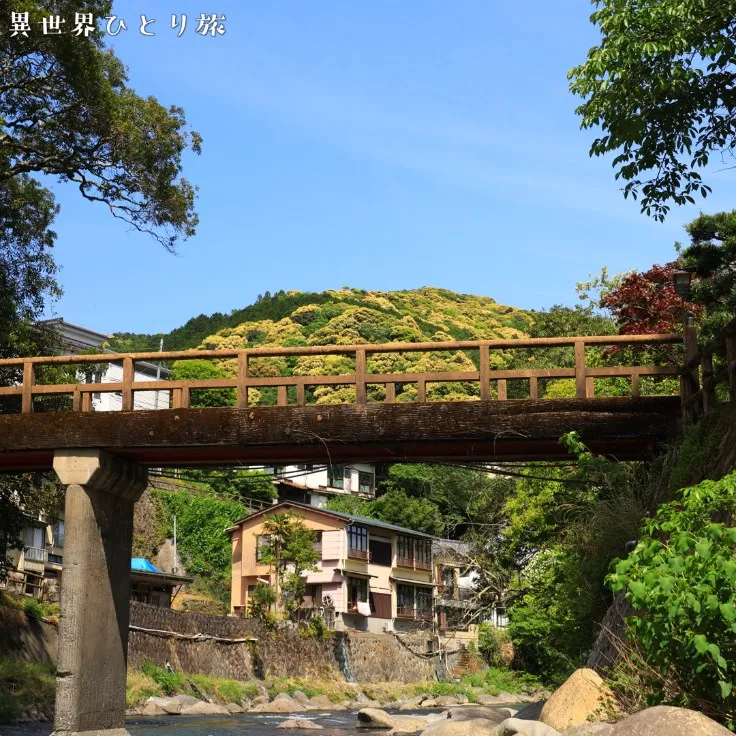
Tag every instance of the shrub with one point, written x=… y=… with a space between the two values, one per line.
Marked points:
x=169 y=682
x=681 y=580
x=492 y=642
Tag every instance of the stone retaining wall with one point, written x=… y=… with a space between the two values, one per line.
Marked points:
x=364 y=657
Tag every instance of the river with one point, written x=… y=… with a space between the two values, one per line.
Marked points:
x=261 y=724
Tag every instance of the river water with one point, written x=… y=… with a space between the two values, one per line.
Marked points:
x=257 y=724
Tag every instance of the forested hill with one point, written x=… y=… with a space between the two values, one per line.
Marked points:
x=344 y=316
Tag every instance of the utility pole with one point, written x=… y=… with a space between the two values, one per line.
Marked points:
x=158 y=375
x=174 y=568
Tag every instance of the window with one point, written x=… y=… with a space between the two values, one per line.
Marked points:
x=366 y=482
x=318 y=543
x=58 y=533
x=405 y=601
x=33 y=537
x=424 y=603
x=357 y=592
x=404 y=551
x=423 y=554
x=380 y=552
x=335 y=477
x=55 y=559
x=358 y=542
x=263 y=545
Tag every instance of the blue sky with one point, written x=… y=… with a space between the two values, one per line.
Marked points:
x=377 y=144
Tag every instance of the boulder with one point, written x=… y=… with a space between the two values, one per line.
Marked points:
x=204 y=709
x=531 y=712
x=259 y=700
x=279 y=705
x=451 y=727
x=590 y=729
x=300 y=697
x=183 y=700
x=513 y=726
x=473 y=712
x=409 y=724
x=488 y=700
x=412 y=703
x=374 y=718
x=235 y=708
x=301 y=723
x=429 y=703
x=462 y=699
x=581 y=698
x=154 y=709
x=324 y=703
x=665 y=720
x=444 y=700
x=507 y=697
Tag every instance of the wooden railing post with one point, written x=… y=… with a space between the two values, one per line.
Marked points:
x=242 y=390
x=690 y=383
x=127 y=400
x=361 y=370
x=28 y=379
x=580 y=369
x=485 y=373
x=501 y=387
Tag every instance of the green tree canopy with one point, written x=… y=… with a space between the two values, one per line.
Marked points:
x=659 y=85
x=66 y=110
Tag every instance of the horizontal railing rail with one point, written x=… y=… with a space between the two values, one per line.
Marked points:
x=178 y=392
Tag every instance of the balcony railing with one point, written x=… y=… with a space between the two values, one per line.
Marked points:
x=405 y=562
x=359 y=554
x=413 y=613
x=422 y=564
x=35 y=554
x=455 y=593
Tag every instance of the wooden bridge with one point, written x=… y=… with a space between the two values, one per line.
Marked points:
x=275 y=412
x=384 y=416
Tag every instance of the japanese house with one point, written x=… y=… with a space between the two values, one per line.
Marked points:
x=371 y=575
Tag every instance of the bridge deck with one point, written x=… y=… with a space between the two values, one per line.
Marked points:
x=623 y=427
x=385 y=413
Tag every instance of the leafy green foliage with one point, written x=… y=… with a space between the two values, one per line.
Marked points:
x=658 y=85
x=491 y=642
x=232 y=483
x=24 y=685
x=169 y=682
x=290 y=553
x=193 y=370
x=681 y=580
x=260 y=603
x=709 y=256
x=86 y=126
x=203 y=543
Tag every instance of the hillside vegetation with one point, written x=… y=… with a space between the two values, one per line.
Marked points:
x=343 y=316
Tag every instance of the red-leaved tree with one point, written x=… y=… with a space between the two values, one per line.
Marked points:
x=647 y=303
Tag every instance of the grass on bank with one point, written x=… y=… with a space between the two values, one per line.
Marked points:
x=30 y=606
x=24 y=686
x=155 y=681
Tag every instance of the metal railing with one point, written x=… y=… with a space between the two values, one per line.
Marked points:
x=35 y=554
x=245 y=371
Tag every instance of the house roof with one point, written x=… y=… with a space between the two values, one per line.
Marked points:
x=140 y=564
x=335 y=514
x=141 y=568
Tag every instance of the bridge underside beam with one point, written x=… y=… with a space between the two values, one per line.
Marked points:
x=624 y=427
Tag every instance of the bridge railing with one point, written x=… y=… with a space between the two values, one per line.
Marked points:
x=709 y=373
x=292 y=389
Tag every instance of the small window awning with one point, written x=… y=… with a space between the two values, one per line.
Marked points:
x=354 y=574
x=409 y=581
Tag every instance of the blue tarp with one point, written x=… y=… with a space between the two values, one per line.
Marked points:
x=142 y=565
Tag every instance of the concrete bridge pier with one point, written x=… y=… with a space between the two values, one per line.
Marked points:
x=93 y=629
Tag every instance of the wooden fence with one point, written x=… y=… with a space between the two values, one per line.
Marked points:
x=28 y=387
